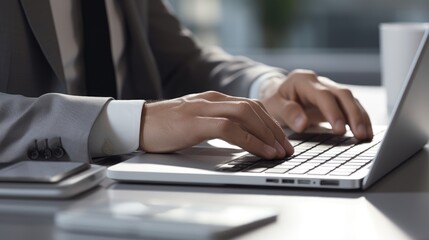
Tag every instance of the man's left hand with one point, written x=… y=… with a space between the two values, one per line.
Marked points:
x=304 y=99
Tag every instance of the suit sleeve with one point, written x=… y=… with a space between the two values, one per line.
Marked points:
x=51 y=116
x=186 y=67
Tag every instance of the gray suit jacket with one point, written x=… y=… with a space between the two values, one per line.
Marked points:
x=163 y=62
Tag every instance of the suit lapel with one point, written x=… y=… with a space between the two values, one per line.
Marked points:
x=41 y=22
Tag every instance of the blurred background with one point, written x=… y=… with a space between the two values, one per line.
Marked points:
x=337 y=39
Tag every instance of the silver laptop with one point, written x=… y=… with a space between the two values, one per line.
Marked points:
x=321 y=160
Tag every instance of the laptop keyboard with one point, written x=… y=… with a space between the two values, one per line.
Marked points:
x=315 y=154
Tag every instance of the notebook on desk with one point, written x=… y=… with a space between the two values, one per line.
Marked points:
x=321 y=160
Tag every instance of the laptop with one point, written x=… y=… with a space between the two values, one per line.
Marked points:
x=321 y=160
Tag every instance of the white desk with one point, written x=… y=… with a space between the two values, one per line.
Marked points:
x=397 y=207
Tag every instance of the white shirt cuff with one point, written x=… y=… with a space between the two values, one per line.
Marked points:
x=255 y=88
x=117 y=128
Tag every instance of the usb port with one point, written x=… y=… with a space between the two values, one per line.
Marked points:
x=272 y=180
x=303 y=181
x=288 y=181
x=329 y=182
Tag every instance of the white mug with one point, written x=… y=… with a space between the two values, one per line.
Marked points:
x=398 y=46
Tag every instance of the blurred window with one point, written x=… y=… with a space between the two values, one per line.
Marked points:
x=336 y=38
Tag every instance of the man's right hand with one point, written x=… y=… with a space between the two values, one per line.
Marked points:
x=175 y=124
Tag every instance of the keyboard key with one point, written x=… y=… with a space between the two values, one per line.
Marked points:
x=301 y=136
x=255 y=170
x=297 y=151
x=294 y=142
x=342 y=170
x=309 y=165
x=307 y=145
x=302 y=157
x=267 y=164
x=228 y=168
x=321 y=167
x=243 y=161
x=351 y=168
x=298 y=171
x=322 y=158
x=287 y=164
x=319 y=172
x=354 y=164
x=347 y=155
x=277 y=170
x=283 y=167
x=329 y=164
x=359 y=161
x=296 y=160
x=317 y=161
x=361 y=157
x=286 y=167
x=315 y=151
x=344 y=158
x=340 y=173
x=328 y=154
x=336 y=161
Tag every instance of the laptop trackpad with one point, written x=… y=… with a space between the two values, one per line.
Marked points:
x=188 y=160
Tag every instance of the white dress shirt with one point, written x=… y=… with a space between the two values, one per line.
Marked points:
x=117 y=128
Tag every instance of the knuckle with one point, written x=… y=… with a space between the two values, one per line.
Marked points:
x=345 y=93
x=243 y=108
x=248 y=138
x=325 y=93
x=198 y=103
x=212 y=94
x=303 y=71
x=308 y=74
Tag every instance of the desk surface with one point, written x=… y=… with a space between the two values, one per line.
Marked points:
x=397 y=207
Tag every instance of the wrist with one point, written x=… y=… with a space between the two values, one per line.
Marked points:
x=269 y=87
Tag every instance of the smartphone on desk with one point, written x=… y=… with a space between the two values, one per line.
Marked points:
x=48 y=179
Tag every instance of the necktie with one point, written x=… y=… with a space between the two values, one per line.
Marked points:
x=99 y=70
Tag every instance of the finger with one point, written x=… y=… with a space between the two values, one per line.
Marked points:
x=309 y=91
x=320 y=96
x=314 y=116
x=293 y=115
x=356 y=116
x=369 y=130
x=244 y=115
x=231 y=132
x=286 y=144
x=273 y=125
x=262 y=113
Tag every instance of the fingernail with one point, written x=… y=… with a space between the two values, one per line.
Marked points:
x=280 y=150
x=299 y=122
x=340 y=126
x=270 y=151
x=361 y=130
x=288 y=147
